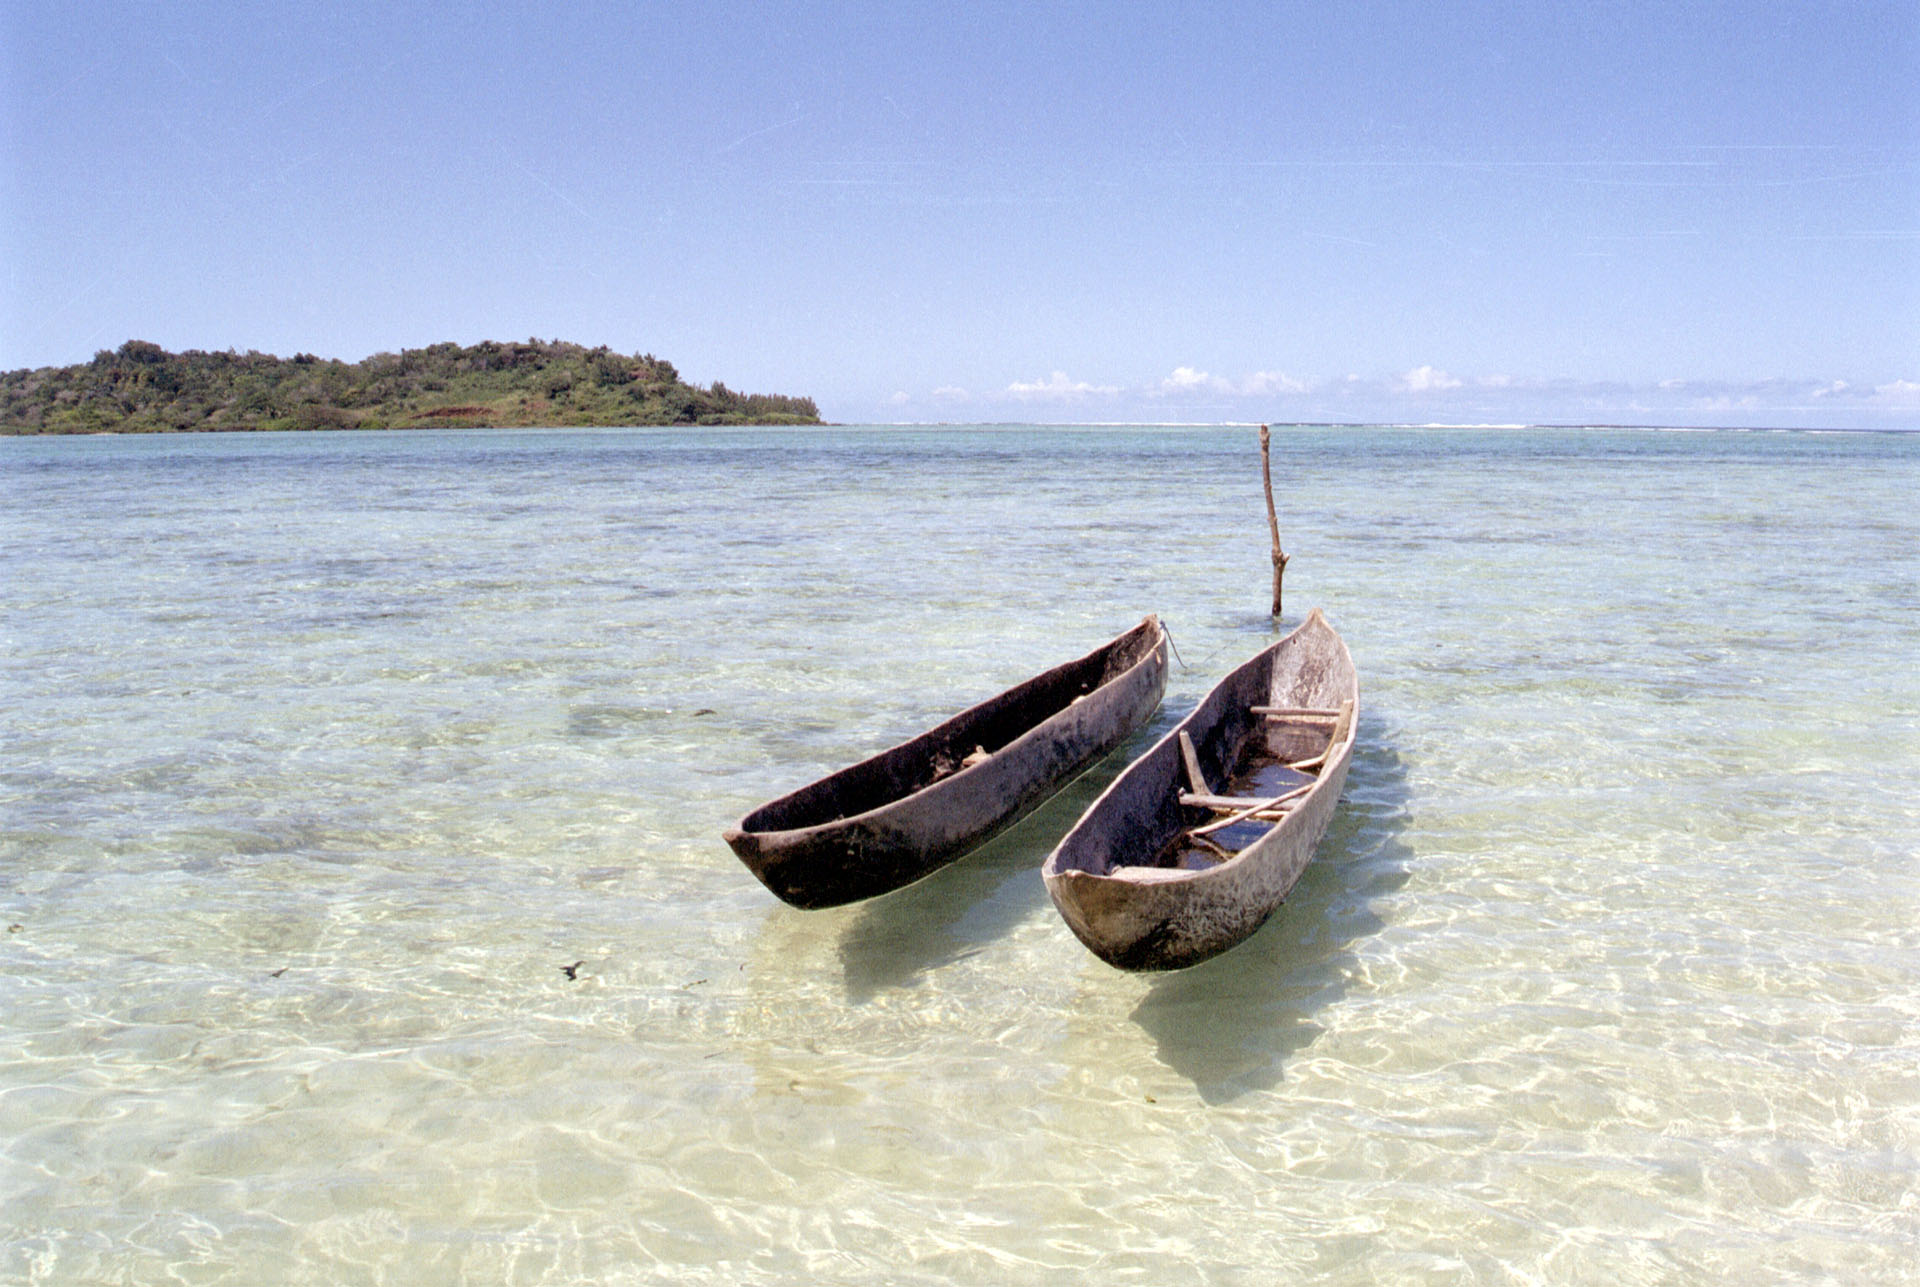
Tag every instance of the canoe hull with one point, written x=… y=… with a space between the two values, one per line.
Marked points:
x=819 y=847
x=1103 y=876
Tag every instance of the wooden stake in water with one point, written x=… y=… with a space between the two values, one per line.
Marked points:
x=1273 y=522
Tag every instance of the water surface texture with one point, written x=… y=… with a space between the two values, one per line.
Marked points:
x=323 y=754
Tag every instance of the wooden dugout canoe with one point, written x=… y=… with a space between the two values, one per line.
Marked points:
x=887 y=821
x=1163 y=870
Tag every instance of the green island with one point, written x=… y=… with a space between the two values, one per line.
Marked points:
x=141 y=388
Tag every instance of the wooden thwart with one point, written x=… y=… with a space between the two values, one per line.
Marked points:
x=1192 y=760
x=1239 y=808
x=1272 y=810
x=1237 y=803
x=1339 y=736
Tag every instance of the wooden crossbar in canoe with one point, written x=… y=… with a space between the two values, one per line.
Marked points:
x=1238 y=808
x=1191 y=758
x=1239 y=803
x=1305 y=714
x=1342 y=724
x=1235 y=803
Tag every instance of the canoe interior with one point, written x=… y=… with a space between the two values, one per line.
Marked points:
x=1259 y=773
x=1140 y=822
x=940 y=752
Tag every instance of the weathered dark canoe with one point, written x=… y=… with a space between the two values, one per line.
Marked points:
x=889 y=820
x=1130 y=878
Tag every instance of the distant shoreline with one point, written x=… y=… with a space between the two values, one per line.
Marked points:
x=8 y=431
x=141 y=388
x=935 y=425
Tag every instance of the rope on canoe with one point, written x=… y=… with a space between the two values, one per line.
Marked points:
x=1176 y=647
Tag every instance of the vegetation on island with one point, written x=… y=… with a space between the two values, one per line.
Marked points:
x=142 y=388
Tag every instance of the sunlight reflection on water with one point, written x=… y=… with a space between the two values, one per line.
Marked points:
x=324 y=754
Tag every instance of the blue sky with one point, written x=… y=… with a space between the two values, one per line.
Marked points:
x=1631 y=212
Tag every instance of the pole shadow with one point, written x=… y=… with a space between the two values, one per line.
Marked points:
x=1229 y=1025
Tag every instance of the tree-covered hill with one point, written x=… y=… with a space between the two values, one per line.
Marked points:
x=142 y=388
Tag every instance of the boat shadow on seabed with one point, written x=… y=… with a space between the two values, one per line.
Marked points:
x=892 y=942
x=959 y=909
x=1228 y=1025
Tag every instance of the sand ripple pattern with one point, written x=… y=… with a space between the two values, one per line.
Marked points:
x=323 y=754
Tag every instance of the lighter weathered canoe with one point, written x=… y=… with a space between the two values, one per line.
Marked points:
x=1132 y=879
x=906 y=812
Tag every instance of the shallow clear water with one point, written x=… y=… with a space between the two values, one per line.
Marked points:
x=323 y=754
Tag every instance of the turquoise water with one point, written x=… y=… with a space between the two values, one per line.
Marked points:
x=322 y=754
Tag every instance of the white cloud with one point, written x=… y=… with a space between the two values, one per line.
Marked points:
x=1900 y=393
x=1427 y=379
x=1189 y=391
x=1185 y=378
x=1896 y=395
x=1056 y=388
x=901 y=398
x=1261 y=382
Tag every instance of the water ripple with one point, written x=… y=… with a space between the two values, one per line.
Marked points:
x=324 y=754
